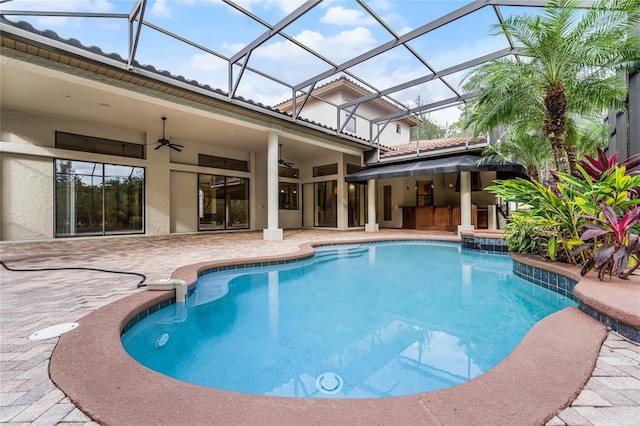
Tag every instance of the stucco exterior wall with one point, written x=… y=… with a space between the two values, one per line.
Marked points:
x=184 y=206
x=26 y=208
x=324 y=112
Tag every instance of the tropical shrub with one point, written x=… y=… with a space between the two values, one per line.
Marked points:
x=526 y=233
x=592 y=220
x=618 y=245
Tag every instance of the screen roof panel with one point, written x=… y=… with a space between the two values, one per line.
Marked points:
x=391 y=47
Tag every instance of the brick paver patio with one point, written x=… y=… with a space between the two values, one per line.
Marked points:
x=31 y=301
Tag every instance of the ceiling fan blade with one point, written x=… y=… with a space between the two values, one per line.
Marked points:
x=174 y=146
x=157 y=147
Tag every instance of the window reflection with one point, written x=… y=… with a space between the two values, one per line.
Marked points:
x=98 y=199
x=223 y=202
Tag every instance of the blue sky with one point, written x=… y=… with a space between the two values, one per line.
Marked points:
x=336 y=29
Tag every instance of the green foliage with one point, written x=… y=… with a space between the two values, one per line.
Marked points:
x=525 y=233
x=588 y=220
x=427 y=128
x=572 y=66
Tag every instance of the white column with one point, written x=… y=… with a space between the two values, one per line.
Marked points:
x=491 y=216
x=372 y=225
x=465 y=202
x=272 y=233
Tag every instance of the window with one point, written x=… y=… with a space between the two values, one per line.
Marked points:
x=398 y=129
x=98 y=145
x=98 y=199
x=287 y=196
x=326 y=200
x=476 y=184
x=223 y=202
x=424 y=193
x=386 y=202
x=357 y=203
x=327 y=169
x=222 y=163
x=288 y=172
x=352 y=168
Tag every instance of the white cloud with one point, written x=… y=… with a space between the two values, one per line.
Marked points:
x=340 y=46
x=232 y=48
x=206 y=62
x=160 y=9
x=338 y=15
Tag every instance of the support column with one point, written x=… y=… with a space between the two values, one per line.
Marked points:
x=465 y=202
x=492 y=216
x=372 y=225
x=272 y=233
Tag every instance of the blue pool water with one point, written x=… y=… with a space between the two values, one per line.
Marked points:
x=366 y=321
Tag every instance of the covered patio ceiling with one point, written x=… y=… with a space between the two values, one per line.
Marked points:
x=273 y=58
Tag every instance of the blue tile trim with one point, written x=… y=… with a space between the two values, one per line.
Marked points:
x=547 y=279
x=612 y=324
x=565 y=286
x=142 y=315
x=484 y=244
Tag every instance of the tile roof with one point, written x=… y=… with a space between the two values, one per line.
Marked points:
x=432 y=145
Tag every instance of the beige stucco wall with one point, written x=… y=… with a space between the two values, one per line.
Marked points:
x=184 y=207
x=327 y=114
x=27 y=197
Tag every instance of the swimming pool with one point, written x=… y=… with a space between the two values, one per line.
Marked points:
x=368 y=320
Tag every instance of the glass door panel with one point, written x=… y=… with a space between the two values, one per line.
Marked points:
x=357 y=204
x=326 y=200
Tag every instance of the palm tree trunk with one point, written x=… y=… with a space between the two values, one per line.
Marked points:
x=532 y=172
x=572 y=157
x=555 y=101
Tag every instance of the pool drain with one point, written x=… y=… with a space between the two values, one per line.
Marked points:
x=162 y=340
x=329 y=383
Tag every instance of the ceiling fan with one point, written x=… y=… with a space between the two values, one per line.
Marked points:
x=166 y=142
x=281 y=162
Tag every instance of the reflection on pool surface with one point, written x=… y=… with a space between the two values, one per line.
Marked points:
x=366 y=321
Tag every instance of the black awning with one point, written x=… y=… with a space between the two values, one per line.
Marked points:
x=461 y=163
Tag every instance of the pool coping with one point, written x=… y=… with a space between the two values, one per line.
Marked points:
x=538 y=379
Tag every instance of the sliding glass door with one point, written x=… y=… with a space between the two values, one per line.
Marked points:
x=223 y=202
x=98 y=199
x=326 y=201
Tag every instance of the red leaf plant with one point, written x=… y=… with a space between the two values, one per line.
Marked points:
x=616 y=244
x=596 y=167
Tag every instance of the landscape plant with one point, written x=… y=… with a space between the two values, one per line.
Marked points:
x=592 y=220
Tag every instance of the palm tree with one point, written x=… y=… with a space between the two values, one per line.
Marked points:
x=521 y=144
x=570 y=62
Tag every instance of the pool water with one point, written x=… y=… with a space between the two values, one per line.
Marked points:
x=362 y=321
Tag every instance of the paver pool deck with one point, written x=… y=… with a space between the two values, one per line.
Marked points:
x=31 y=301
